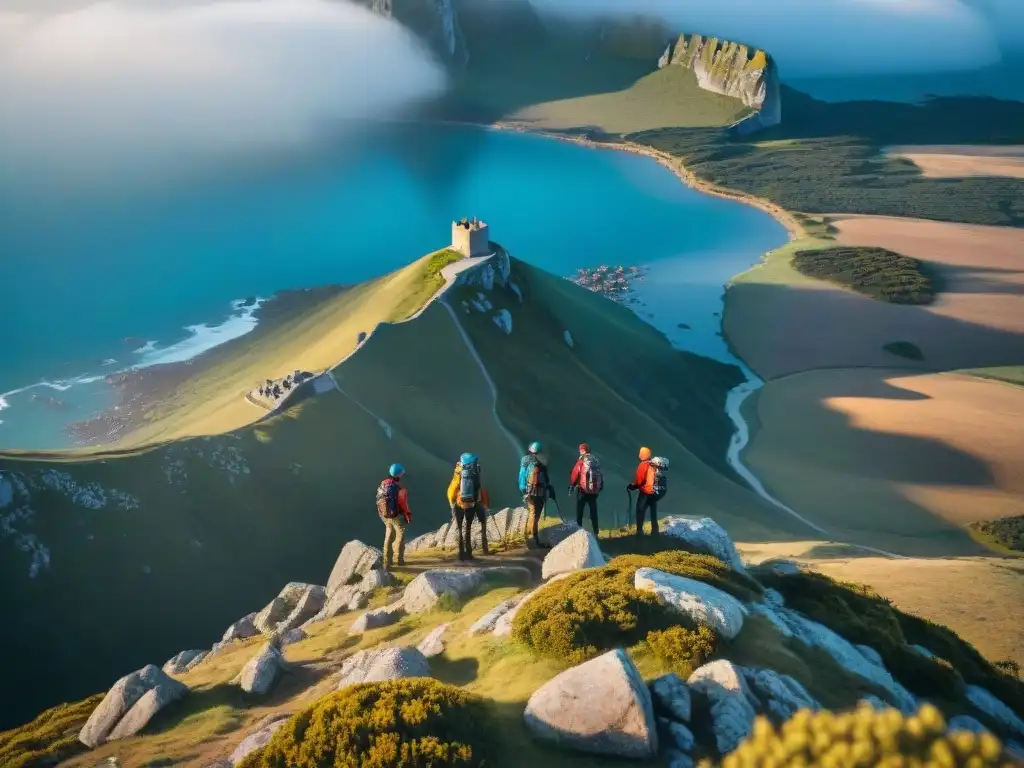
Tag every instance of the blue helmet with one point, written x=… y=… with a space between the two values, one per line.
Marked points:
x=467 y=458
x=396 y=470
x=535 y=447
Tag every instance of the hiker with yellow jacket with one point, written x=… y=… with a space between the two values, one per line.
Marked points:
x=468 y=499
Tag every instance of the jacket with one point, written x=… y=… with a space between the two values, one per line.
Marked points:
x=577 y=473
x=483 y=497
x=644 y=478
x=524 y=467
x=403 y=502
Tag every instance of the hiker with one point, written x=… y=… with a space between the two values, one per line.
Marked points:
x=586 y=481
x=651 y=480
x=535 y=485
x=393 y=508
x=468 y=499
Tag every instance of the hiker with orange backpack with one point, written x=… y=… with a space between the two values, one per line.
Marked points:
x=651 y=480
x=393 y=508
x=468 y=499
x=535 y=485
x=586 y=481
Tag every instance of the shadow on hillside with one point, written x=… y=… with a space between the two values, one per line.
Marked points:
x=961 y=279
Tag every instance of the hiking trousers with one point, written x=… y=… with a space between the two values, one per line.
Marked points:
x=535 y=507
x=394 y=534
x=645 y=503
x=586 y=500
x=464 y=529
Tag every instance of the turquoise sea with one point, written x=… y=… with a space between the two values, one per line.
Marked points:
x=93 y=284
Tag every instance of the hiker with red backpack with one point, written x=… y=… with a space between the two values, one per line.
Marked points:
x=586 y=481
x=393 y=508
x=468 y=499
x=535 y=485
x=651 y=480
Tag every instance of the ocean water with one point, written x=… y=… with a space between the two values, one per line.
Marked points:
x=94 y=284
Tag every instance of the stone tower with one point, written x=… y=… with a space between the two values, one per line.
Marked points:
x=471 y=237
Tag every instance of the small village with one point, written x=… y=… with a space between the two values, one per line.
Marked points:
x=611 y=282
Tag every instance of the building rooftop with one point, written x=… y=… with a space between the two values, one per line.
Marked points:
x=473 y=223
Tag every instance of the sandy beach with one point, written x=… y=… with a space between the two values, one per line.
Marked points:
x=944 y=161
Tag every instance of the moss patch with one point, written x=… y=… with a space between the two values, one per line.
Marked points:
x=882 y=274
x=414 y=722
x=866 y=737
x=50 y=738
x=578 y=617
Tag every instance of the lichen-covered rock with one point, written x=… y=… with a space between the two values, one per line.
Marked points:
x=184 y=661
x=242 y=629
x=261 y=671
x=730 y=700
x=780 y=695
x=378 y=664
x=574 y=553
x=673 y=695
x=433 y=644
x=381 y=617
x=486 y=623
x=310 y=602
x=356 y=558
x=120 y=699
x=145 y=708
x=554 y=535
x=257 y=738
x=601 y=706
x=792 y=624
x=424 y=592
x=704 y=535
x=994 y=708
x=702 y=602
x=679 y=736
x=280 y=609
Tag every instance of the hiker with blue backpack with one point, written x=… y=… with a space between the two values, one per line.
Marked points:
x=535 y=486
x=586 y=481
x=393 y=509
x=651 y=483
x=469 y=500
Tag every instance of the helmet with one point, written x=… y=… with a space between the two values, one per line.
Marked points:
x=535 y=447
x=645 y=453
x=467 y=458
x=396 y=470
x=584 y=448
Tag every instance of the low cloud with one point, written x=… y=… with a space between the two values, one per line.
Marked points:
x=826 y=37
x=110 y=89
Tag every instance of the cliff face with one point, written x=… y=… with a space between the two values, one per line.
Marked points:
x=732 y=69
x=435 y=21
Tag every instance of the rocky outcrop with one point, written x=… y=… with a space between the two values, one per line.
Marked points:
x=242 y=629
x=296 y=603
x=504 y=525
x=701 y=602
x=262 y=670
x=354 y=561
x=732 y=69
x=381 y=617
x=601 y=706
x=353 y=597
x=731 y=705
x=673 y=695
x=576 y=552
x=489 y=620
x=702 y=534
x=433 y=644
x=426 y=590
x=258 y=737
x=780 y=696
x=379 y=664
x=130 y=704
x=184 y=661
x=503 y=625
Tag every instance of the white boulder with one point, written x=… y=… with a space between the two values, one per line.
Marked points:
x=379 y=664
x=433 y=644
x=355 y=559
x=574 y=553
x=306 y=598
x=601 y=706
x=144 y=709
x=242 y=629
x=426 y=590
x=731 y=703
x=380 y=617
x=121 y=700
x=704 y=535
x=184 y=661
x=258 y=738
x=261 y=671
x=702 y=602
x=503 y=625
x=673 y=695
x=486 y=623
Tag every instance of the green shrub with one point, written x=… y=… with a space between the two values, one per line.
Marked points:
x=50 y=738
x=394 y=724
x=862 y=616
x=1009 y=531
x=866 y=737
x=582 y=615
x=683 y=649
x=876 y=272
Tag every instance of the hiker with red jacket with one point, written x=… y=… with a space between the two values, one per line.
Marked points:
x=651 y=480
x=586 y=481
x=393 y=508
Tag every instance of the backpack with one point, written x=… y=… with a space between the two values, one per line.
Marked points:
x=387 y=498
x=657 y=477
x=591 y=479
x=535 y=485
x=469 y=485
